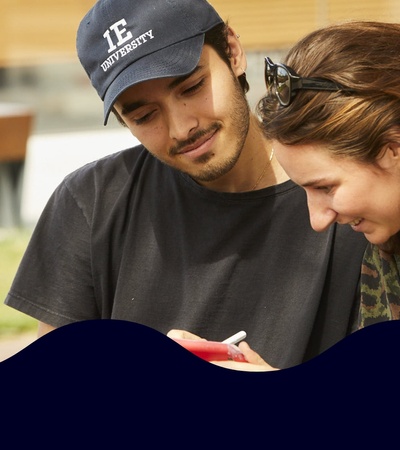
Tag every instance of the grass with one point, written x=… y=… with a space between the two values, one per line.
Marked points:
x=13 y=243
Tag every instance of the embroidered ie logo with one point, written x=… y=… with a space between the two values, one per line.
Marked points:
x=119 y=33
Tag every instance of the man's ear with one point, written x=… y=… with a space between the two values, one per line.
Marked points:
x=238 y=57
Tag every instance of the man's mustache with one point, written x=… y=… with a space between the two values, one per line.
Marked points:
x=176 y=149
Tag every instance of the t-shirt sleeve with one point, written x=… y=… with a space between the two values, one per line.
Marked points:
x=54 y=280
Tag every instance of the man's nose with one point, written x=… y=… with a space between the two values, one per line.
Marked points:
x=181 y=121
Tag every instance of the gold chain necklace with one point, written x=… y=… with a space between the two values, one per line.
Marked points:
x=265 y=169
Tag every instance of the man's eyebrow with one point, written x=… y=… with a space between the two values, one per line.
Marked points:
x=177 y=81
x=128 y=108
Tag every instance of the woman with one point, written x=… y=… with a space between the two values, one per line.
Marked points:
x=335 y=129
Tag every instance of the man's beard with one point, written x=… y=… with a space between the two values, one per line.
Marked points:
x=240 y=118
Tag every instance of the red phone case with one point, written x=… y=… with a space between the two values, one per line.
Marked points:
x=212 y=351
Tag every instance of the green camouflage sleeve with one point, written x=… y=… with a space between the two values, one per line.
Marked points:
x=380 y=287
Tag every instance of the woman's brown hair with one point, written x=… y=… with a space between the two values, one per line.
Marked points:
x=364 y=58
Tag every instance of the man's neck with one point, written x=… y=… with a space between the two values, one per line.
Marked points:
x=256 y=168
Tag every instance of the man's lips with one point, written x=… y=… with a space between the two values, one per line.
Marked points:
x=196 y=145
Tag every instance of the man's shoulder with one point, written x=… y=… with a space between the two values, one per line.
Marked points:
x=117 y=165
x=346 y=237
x=347 y=250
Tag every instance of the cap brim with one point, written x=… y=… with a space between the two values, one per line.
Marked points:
x=173 y=61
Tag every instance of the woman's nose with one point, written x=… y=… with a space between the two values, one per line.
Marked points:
x=321 y=217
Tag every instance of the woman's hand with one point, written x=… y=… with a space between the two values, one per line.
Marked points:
x=254 y=361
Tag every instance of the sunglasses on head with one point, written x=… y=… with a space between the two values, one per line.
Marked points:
x=283 y=82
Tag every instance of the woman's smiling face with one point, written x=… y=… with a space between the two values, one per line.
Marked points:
x=342 y=190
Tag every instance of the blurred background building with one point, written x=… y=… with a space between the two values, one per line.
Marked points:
x=39 y=68
x=38 y=63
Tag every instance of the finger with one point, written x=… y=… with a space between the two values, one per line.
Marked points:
x=242 y=366
x=252 y=356
x=182 y=334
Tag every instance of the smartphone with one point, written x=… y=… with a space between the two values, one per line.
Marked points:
x=211 y=350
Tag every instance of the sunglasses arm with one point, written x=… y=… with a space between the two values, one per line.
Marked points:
x=314 y=83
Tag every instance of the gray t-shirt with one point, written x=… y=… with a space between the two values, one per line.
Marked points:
x=129 y=238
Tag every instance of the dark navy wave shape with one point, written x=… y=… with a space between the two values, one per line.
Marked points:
x=123 y=374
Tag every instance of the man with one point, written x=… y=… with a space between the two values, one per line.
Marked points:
x=198 y=228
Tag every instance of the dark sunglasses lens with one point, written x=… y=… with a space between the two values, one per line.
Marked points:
x=283 y=90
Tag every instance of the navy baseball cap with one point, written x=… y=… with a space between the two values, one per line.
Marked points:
x=124 y=42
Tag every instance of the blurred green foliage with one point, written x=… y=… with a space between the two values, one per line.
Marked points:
x=13 y=243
